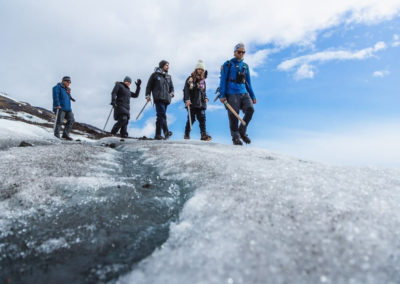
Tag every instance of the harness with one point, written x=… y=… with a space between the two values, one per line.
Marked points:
x=237 y=73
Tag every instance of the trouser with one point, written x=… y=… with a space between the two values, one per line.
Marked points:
x=121 y=124
x=69 y=116
x=161 y=121
x=200 y=114
x=240 y=102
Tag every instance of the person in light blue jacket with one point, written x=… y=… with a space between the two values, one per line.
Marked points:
x=62 y=107
x=235 y=87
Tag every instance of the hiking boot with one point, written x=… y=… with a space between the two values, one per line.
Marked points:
x=124 y=135
x=245 y=139
x=57 y=135
x=168 y=134
x=187 y=136
x=66 y=137
x=205 y=137
x=158 y=137
x=236 y=141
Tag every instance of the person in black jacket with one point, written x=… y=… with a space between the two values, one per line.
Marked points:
x=160 y=85
x=195 y=97
x=120 y=100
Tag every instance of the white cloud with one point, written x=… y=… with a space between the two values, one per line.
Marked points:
x=215 y=107
x=396 y=40
x=99 y=42
x=305 y=69
x=381 y=73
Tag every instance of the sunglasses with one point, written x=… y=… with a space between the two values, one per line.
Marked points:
x=240 y=52
x=68 y=81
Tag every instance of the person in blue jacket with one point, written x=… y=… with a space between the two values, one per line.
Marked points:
x=62 y=107
x=235 y=87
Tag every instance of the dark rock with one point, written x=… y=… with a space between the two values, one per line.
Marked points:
x=147 y=185
x=112 y=145
x=25 y=144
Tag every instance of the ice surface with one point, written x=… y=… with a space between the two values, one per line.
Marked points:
x=33 y=179
x=13 y=132
x=258 y=217
x=255 y=217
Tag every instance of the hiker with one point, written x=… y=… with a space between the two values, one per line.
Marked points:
x=160 y=85
x=62 y=107
x=235 y=89
x=120 y=100
x=195 y=99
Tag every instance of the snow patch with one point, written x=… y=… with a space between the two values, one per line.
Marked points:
x=53 y=244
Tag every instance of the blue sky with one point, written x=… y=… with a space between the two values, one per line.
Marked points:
x=325 y=73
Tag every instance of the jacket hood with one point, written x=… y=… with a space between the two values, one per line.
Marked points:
x=121 y=83
x=159 y=70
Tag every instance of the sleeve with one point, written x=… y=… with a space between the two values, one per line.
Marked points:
x=205 y=91
x=186 y=91
x=248 y=84
x=56 y=96
x=136 y=94
x=223 y=81
x=114 y=93
x=149 y=86
x=171 y=86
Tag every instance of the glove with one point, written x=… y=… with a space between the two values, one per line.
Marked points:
x=205 y=74
x=138 y=82
x=113 y=104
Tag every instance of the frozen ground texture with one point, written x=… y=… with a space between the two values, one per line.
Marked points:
x=13 y=132
x=253 y=216
x=258 y=217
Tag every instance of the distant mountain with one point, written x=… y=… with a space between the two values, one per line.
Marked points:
x=22 y=111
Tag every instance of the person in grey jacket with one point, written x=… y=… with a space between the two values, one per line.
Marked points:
x=120 y=99
x=195 y=98
x=161 y=87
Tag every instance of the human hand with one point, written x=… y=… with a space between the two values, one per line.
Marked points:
x=223 y=100
x=138 y=82
x=254 y=101
x=148 y=99
x=188 y=103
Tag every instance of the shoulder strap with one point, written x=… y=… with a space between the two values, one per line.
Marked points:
x=229 y=70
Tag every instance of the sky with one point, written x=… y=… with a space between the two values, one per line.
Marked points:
x=325 y=74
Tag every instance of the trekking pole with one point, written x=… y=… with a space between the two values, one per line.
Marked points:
x=190 y=117
x=108 y=117
x=217 y=92
x=234 y=112
x=55 y=121
x=142 y=110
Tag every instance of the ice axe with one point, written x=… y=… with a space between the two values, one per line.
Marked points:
x=190 y=117
x=142 y=110
x=55 y=121
x=217 y=92
x=234 y=112
x=108 y=117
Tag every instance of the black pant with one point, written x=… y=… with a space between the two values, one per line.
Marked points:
x=122 y=124
x=69 y=116
x=200 y=114
x=240 y=102
x=161 y=121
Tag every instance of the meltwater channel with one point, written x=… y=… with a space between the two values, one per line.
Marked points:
x=95 y=236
